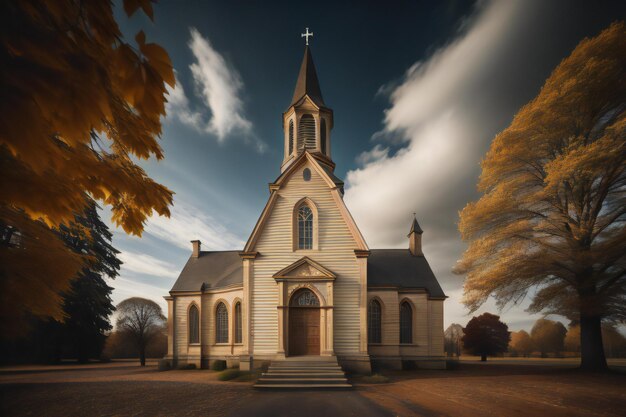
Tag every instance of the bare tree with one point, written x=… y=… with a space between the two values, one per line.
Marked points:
x=452 y=339
x=142 y=319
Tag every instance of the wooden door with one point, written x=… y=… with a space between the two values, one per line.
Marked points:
x=304 y=331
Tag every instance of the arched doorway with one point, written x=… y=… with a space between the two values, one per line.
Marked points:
x=304 y=323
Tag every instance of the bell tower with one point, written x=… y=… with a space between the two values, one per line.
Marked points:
x=307 y=122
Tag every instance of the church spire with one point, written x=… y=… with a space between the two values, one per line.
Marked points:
x=415 y=238
x=307 y=83
x=308 y=121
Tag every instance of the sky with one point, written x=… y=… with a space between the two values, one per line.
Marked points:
x=418 y=89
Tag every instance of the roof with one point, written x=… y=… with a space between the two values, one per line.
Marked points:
x=385 y=268
x=307 y=83
x=212 y=270
x=415 y=227
x=398 y=268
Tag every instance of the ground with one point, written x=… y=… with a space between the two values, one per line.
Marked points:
x=509 y=387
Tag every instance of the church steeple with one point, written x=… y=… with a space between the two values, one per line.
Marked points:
x=308 y=121
x=307 y=83
x=415 y=238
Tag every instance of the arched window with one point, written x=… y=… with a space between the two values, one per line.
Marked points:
x=221 y=324
x=305 y=227
x=406 y=323
x=194 y=324
x=306 y=132
x=323 y=136
x=290 y=137
x=373 y=322
x=304 y=298
x=238 y=324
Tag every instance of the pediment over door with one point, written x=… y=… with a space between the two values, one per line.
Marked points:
x=304 y=269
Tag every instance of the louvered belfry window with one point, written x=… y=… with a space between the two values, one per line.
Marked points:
x=323 y=136
x=194 y=325
x=305 y=227
x=374 y=316
x=221 y=324
x=406 y=323
x=306 y=132
x=238 y=324
x=290 y=137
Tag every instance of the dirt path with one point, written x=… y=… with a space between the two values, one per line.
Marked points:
x=121 y=389
x=478 y=390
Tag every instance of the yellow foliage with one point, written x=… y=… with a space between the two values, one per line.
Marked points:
x=78 y=103
x=553 y=205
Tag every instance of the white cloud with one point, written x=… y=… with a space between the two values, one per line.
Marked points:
x=146 y=264
x=219 y=86
x=188 y=223
x=446 y=110
x=177 y=106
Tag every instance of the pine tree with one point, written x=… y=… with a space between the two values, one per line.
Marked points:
x=88 y=304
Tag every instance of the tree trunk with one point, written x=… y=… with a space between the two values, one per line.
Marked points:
x=483 y=358
x=142 y=356
x=591 y=347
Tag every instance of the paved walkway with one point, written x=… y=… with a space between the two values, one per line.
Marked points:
x=308 y=403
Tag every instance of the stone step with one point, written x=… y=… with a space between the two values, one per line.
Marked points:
x=294 y=363
x=304 y=373
x=302 y=377
x=308 y=372
x=307 y=368
x=303 y=386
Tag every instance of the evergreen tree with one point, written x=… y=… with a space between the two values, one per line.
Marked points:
x=88 y=303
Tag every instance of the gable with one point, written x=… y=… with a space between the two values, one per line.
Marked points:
x=304 y=268
x=290 y=187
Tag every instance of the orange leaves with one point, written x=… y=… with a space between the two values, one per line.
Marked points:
x=552 y=208
x=78 y=103
x=131 y=6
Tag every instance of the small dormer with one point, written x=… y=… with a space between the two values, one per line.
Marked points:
x=307 y=122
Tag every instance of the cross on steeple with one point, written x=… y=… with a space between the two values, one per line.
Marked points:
x=306 y=35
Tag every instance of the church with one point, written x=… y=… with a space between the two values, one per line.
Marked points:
x=306 y=283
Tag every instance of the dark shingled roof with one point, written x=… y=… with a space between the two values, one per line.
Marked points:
x=307 y=82
x=211 y=269
x=385 y=268
x=398 y=268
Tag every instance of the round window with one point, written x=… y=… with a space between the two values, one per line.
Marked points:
x=306 y=174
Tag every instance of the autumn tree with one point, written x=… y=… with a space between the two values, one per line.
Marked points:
x=521 y=343
x=486 y=335
x=572 y=339
x=452 y=339
x=548 y=336
x=142 y=320
x=553 y=206
x=79 y=106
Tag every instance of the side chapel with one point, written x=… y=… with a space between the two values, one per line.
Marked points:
x=306 y=282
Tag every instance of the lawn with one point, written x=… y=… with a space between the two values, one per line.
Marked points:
x=494 y=389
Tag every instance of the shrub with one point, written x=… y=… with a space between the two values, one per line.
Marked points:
x=164 y=365
x=187 y=366
x=229 y=374
x=218 y=365
x=452 y=364
x=375 y=379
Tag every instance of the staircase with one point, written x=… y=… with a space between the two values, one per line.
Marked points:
x=304 y=372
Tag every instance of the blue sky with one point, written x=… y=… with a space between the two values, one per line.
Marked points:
x=419 y=90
